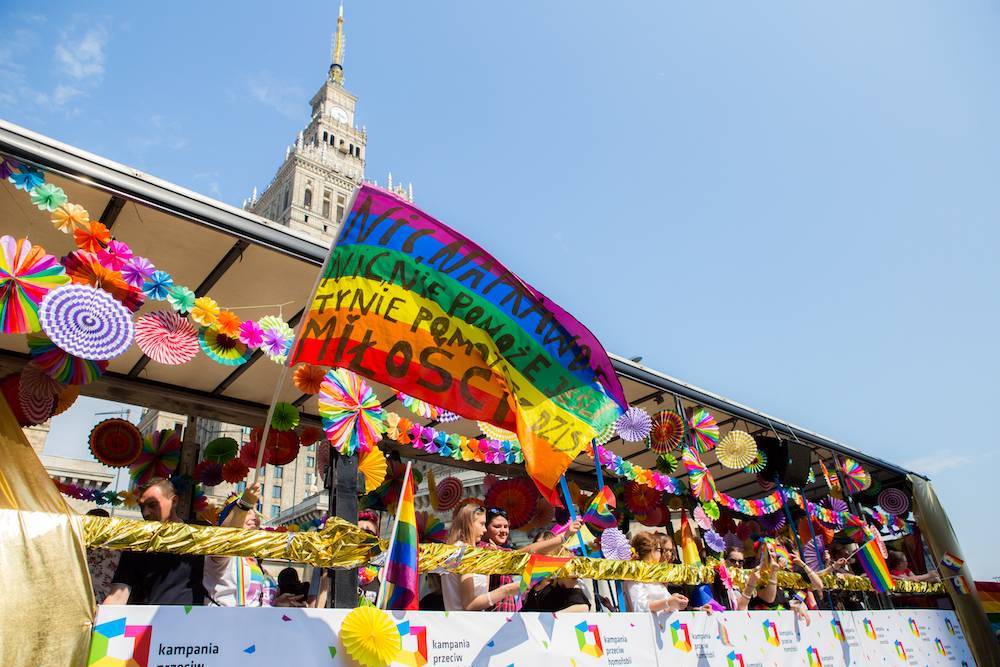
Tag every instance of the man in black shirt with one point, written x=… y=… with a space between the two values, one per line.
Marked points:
x=158 y=578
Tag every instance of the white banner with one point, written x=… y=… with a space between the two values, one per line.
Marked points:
x=138 y=636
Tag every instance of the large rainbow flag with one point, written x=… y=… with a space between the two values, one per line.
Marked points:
x=401 y=577
x=870 y=557
x=408 y=302
x=989 y=595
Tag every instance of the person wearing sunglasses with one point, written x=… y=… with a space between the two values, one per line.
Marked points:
x=651 y=596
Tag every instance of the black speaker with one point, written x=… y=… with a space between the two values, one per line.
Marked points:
x=787 y=462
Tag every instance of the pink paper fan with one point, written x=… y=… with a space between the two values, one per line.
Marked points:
x=251 y=334
x=166 y=338
x=703 y=520
x=116 y=255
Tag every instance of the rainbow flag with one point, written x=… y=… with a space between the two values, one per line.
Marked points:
x=989 y=595
x=601 y=513
x=875 y=566
x=961 y=584
x=406 y=301
x=689 y=548
x=401 y=579
x=540 y=567
x=951 y=561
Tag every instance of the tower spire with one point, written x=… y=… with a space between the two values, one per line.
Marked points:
x=337 y=57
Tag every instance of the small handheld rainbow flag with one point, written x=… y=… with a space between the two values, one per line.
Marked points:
x=960 y=584
x=951 y=561
x=401 y=584
x=601 y=513
x=689 y=548
x=539 y=568
x=875 y=566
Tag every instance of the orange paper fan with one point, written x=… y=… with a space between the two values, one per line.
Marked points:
x=309 y=378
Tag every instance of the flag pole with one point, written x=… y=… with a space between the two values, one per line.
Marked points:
x=296 y=342
x=572 y=511
x=380 y=600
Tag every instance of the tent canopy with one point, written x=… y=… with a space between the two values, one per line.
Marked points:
x=257 y=268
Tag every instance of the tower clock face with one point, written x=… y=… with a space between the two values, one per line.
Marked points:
x=340 y=114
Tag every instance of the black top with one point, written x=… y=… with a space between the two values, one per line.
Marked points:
x=553 y=598
x=158 y=578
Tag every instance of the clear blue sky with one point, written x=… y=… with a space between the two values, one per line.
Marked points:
x=792 y=204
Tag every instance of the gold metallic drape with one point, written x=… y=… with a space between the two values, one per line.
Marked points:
x=940 y=536
x=46 y=599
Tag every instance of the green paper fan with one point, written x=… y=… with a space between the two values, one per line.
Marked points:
x=221 y=450
x=285 y=418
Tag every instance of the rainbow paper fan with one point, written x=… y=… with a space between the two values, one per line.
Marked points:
x=856 y=478
x=667 y=431
x=352 y=416
x=116 y=442
x=518 y=496
x=705 y=431
x=27 y=274
x=449 y=494
x=430 y=528
x=62 y=367
x=425 y=409
x=634 y=425
x=86 y=322
x=160 y=455
x=370 y=636
x=373 y=466
x=308 y=378
x=758 y=464
x=84 y=268
x=737 y=450
x=223 y=349
x=702 y=483
x=496 y=433
x=166 y=338
x=221 y=450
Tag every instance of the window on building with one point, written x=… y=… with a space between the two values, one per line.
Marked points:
x=325 y=137
x=307 y=217
x=326 y=203
x=309 y=479
x=275 y=491
x=333 y=142
x=307 y=199
x=341 y=203
x=285 y=199
x=275 y=510
x=263 y=471
x=311 y=448
x=310 y=461
x=277 y=472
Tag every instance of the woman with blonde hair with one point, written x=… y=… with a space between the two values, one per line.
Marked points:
x=652 y=596
x=471 y=592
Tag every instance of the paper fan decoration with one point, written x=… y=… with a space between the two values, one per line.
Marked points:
x=737 y=450
x=92 y=237
x=208 y=473
x=614 y=545
x=252 y=335
x=276 y=339
x=249 y=451
x=517 y=496
x=83 y=268
x=69 y=217
x=35 y=381
x=773 y=523
x=702 y=483
x=62 y=367
x=606 y=435
x=893 y=501
x=373 y=466
x=66 y=398
x=495 y=432
x=228 y=323
x=27 y=274
x=86 y=322
x=352 y=415
x=116 y=255
x=701 y=518
x=34 y=405
x=116 y=442
x=285 y=417
x=430 y=528
x=221 y=450
x=666 y=463
x=714 y=541
x=813 y=550
x=307 y=378
x=633 y=425
x=160 y=455
x=181 y=299
x=234 y=471
x=222 y=349
x=641 y=499
x=810 y=476
x=282 y=446
x=370 y=636
x=137 y=271
x=309 y=435
x=449 y=494
x=758 y=464
x=166 y=338
x=705 y=431
x=856 y=478
x=205 y=311
x=711 y=509
x=426 y=410
x=667 y=431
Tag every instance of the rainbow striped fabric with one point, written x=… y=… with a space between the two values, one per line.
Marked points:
x=539 y=568
x=875 y=566
x=951 y=561
x=408 y=302
x=601 y=513
x=401 y=578
x=689 y=548
x=989 y=595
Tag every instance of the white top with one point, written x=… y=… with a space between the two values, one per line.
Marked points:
x=641 y=594
x=451 y=587
x=225 y=576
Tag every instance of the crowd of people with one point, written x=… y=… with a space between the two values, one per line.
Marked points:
x=232 y=581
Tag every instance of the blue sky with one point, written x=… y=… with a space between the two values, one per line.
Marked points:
x=791 y=204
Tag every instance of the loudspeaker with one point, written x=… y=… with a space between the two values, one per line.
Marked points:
x=787 y=462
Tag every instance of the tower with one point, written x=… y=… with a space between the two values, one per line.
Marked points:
x=310 y=191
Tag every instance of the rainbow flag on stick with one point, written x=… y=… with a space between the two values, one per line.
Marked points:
x=400 y=585
x=406 y=301
x=540 y=567
x=601 y=513
x=960 y=584
x=951 y=561
x=875 y=566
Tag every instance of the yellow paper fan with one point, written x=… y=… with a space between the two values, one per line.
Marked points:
x=370 y=637
x=373 y=466
x=737 y=450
